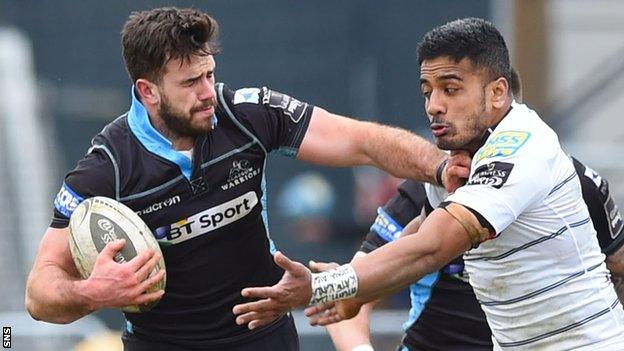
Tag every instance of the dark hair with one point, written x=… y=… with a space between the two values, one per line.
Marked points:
x=515 y=84
x=472 y=38
x=151 y=38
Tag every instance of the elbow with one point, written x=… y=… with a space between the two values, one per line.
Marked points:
x=36 y=310
x=32 y=307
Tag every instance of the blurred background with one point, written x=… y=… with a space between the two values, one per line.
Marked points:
x=62 y=79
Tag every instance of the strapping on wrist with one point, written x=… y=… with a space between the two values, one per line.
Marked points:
x=336 y=284
x=440 y=171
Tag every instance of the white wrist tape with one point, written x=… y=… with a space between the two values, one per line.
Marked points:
x=336 y=284
x=363 y=347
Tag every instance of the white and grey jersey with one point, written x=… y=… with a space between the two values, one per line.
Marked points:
x=541 y=279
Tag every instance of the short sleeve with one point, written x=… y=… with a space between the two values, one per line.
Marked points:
x=500 y=188
x=276 y=119
x=604 y=212
x=93 y=176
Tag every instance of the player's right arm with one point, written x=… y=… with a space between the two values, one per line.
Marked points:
x=55 y=291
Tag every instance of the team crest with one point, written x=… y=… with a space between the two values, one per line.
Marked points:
x=241 y=171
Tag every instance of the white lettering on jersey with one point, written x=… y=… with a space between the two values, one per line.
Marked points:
x=207 y=220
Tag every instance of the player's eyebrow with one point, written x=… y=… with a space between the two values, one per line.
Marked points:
x=448 y=76
x=190 y=79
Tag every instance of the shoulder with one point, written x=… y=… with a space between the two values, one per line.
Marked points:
x=522 y=137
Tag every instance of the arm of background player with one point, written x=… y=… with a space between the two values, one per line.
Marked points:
x=334 y=140
x=615 y=263
x=55 y=293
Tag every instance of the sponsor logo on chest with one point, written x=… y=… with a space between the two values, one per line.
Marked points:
x=502 y=144
x=207 y=220
x=494 y=174
x=241 y=171
x=159 y=205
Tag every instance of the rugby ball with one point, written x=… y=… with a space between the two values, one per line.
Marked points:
x=100 y=220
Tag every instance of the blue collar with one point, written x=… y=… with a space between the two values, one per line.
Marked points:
x=142 y=128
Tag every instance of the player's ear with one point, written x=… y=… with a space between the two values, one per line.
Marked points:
x=148 y=91
x=498 y=89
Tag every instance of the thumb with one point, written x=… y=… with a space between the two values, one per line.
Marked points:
x=317 y=267
x=112 y=248
x=284 y=262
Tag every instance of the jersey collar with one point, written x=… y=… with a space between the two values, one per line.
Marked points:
x=156 y=143
x=491 y=129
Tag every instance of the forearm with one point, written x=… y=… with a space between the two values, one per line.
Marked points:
x=393 y=266
x=401 y=153
x=352 y=332
x=615 y=263
x=53 y=295
x=338 y=141
x=439 y=239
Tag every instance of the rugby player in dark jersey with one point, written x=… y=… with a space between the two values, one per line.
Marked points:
x=189 y=157
x=445 y=314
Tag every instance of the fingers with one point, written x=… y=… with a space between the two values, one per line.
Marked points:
x=459 y=171
x=141 y=259
x=147 y=283
x=316 y=309
x=147 y=267
x=112 y=248
x=317 y=267
x=262 y=292
x=260 y=322
x=326 y=318
x=264 y=305
x=148 y=297
x=257 y=319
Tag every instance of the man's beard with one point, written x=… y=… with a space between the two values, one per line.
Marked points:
x=179 y=123
x=472 y=133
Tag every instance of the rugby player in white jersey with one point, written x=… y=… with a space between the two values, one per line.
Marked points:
x=528 y=242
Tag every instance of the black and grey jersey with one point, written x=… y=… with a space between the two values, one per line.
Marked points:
x=208 y=213
x=445 y=314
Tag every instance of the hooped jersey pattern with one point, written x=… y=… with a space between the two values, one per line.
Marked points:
x=541 y=278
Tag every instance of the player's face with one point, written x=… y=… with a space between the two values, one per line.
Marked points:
x=455 y=101
x=188 y=97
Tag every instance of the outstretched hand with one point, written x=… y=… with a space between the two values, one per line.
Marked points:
x=293 y=290
x=457 y=170
x=330 y=312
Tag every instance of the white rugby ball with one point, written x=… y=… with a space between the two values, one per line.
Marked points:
x=100 y=220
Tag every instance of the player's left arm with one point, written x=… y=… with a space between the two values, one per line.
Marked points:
x=615 y=263
x=334 y=140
